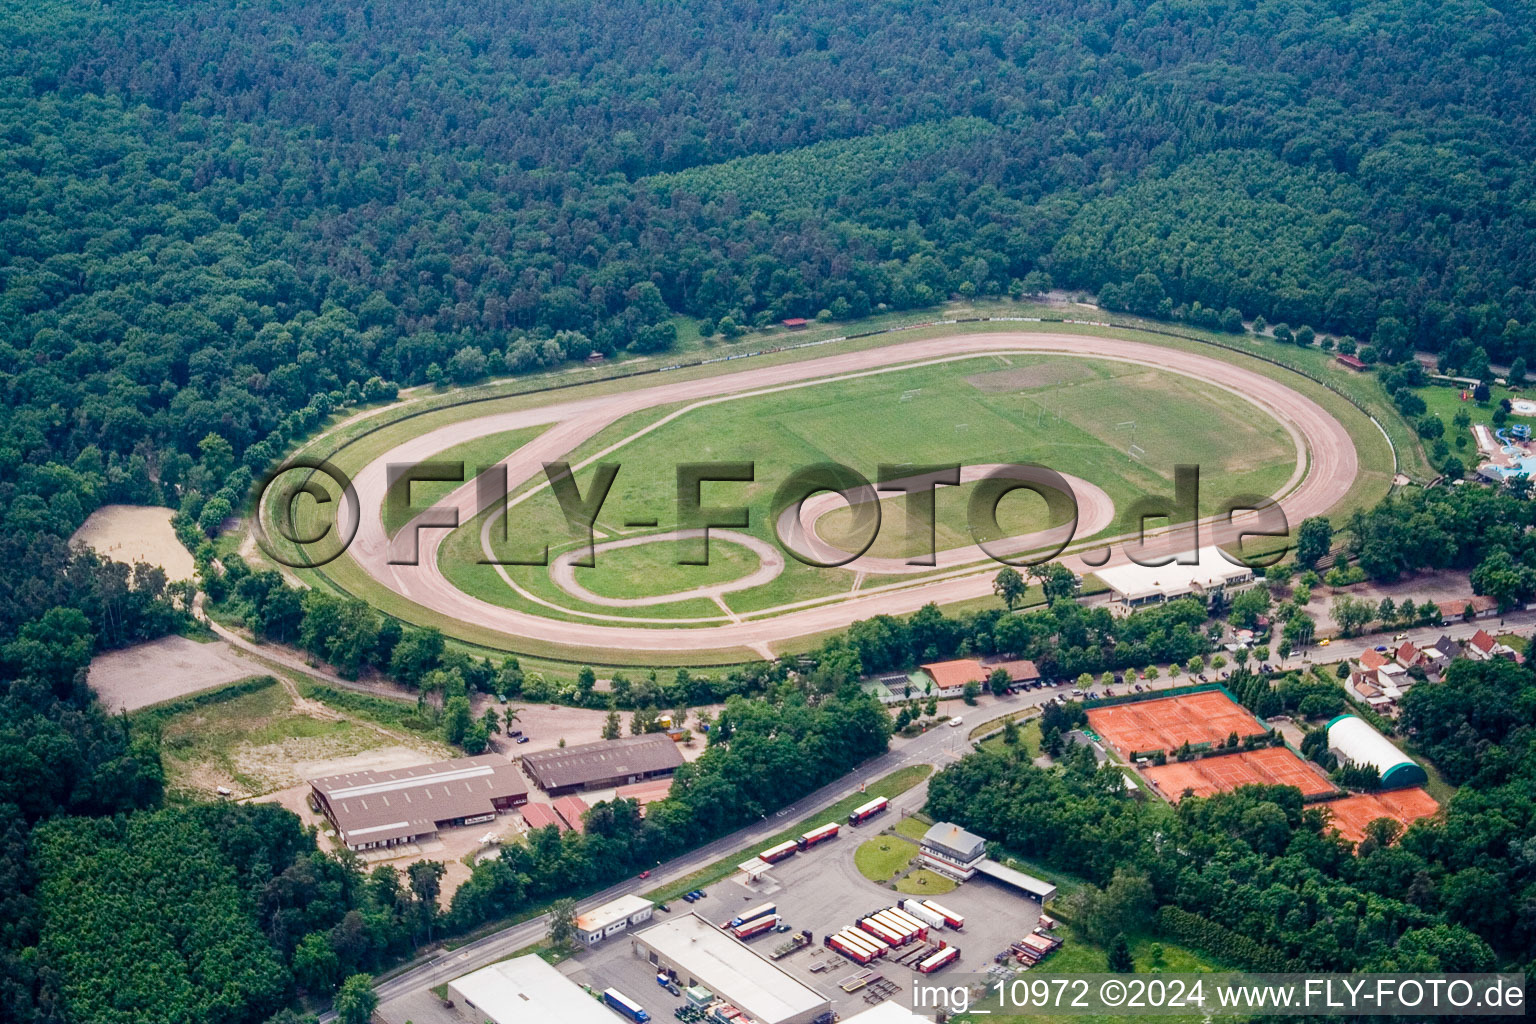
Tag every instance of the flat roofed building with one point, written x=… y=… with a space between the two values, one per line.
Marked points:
x=524 y=989
x=1031 y=886
x=701 y=954
x=613 y=917
x=887 y=1013
x=952 y=850
x=373 y=809
x=620 y=762
x=1133 y=586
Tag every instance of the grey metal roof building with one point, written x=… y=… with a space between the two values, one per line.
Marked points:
x=702 y=954
x=952 y=850
x=605 y=763
x=385 y=808
x=525 y=989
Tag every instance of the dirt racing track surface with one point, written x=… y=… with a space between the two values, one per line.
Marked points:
x=1326 y=468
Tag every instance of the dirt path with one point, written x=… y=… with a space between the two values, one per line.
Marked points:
x=1326 y=469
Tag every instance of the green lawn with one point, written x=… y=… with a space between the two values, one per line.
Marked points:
x=913 y=828
x=923 y=882
x=889 y=786
x=644 y=570
x=883 y=858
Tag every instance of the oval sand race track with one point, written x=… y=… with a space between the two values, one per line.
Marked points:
x=1327 y=465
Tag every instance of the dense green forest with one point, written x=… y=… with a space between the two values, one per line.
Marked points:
x=221 y=222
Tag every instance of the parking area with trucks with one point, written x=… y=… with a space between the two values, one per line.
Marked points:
x=888 y=940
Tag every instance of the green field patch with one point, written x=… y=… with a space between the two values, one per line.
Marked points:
x=923 y=882
x=1019 y=513
x=883 y=858
x=646 y=570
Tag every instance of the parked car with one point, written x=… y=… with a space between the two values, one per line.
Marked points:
x=781 y=927
x=515 y=732
x=663 y=908
x=1381 y=648
x=522 y=739
x=699 y=894
x=645 y=874
x=689 y=897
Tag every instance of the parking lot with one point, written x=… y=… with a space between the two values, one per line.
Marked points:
x=822 y=891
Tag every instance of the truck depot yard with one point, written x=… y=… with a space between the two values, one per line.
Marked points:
x=821 y=891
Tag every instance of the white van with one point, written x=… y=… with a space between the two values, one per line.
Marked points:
x=957 y=722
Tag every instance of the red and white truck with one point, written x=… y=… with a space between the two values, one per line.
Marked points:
x=818 y=835
x=882 y=931
x=951 y=918
x=943 y=958
x=756 y=926
x=866 y=811
x=845 y=943
x=774 y=854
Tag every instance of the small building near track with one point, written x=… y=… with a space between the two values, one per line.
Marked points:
x=951 y=850
x=524 y=989
x=374 y=809
x=604 y=764
x=693 y=952
x=612 y=917
x=1135 y=586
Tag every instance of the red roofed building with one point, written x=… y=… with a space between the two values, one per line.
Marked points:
x=541 y=816
x=953 y=675
x=1020 y=670
x=1408 y=655
x=1481 y=646
x=1352 y=363
x=1454 y=611
x=571 y=809
x=1372 y=660
x=795 y=323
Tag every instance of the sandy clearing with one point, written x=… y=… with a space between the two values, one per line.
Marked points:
x=136 y=533
x=173 y=666
x=1326 y=469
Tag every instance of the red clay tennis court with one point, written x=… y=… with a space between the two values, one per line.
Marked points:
x=1271 y=766
x=1352 y=813
x=1166 y=723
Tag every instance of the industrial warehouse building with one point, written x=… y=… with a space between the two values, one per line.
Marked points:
x=604 y=764
x=612 y=917
x=701 y=955
x=1351 y=739
x=525 y=989
x=1133 y=586
x=373 y=809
